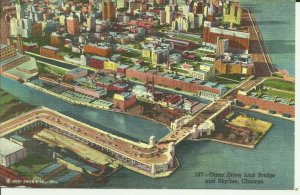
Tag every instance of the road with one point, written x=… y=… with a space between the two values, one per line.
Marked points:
x=262 y=61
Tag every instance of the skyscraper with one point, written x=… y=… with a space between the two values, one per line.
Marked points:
x=20 y=10
x=162 y=14
x=232 y=13
x=21 y=25
x=91 y=23
x=108 y=10
x=20 y=44
x=73 y=26
x=169 y=14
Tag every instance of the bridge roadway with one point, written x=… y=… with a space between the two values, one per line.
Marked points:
x=262 y=61
x=183 y=131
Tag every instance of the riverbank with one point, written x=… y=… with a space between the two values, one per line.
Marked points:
x=265 y=113
x=11 y=106
x=223 y=142
x=252 y=146
x=71 y=101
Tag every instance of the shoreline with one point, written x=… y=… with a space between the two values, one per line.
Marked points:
x=262 y=61
x=223 y=142
x=265 y=113
x=76 y=102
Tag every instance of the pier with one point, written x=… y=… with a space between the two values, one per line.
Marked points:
x=155 y=159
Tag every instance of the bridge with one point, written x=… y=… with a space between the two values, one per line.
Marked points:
x=183 y=127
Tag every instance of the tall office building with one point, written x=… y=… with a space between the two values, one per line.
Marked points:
x=239 y=40
x=169 y=14
x=20 y=10
x=91 y=23
x=27 y=27
x=108 y=10
x=73 y=26
x=198 y=7
x=20 y=44
x=162 y=15
x=232 y=13
x=22 y=25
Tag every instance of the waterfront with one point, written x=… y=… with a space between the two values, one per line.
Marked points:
x=274 y=154
x=116 y=123
x=204 y=156
x=276 y=21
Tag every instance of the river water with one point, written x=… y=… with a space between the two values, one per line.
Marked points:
x=117 y=123
x=274 y=154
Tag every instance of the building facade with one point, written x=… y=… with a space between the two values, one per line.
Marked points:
x=100 y=50
x=232 y=13
x=124 y=100
x=108 y=10
x=73 y=25
x=50 y=52
x=238 y=40
x=10 y=152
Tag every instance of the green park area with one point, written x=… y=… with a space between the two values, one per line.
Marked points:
x=280 y=84
x=281 y=94
x=31 y=165
x=230 y=81
x=131 y=54
x=11 y=107
x=279 y=88
x=165 y=27
x=43 y=67
x=188 y=38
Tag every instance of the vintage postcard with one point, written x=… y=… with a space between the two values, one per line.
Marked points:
x=147 y=94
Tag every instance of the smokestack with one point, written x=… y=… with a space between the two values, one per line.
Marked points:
x=153 y=86
x=147 y=83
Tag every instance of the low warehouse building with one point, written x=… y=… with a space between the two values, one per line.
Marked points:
x=10 y=152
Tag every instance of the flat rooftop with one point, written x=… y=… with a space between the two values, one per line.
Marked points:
x=80 y=164
x=9 y=60
x=2 y=46
x=67 y=177
x=21 y=74
x=50 y=47
x=76 y=70
x=106 y=80
x=8 y=147
x=29 y=65
x=49 y=169
x=18 y=138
